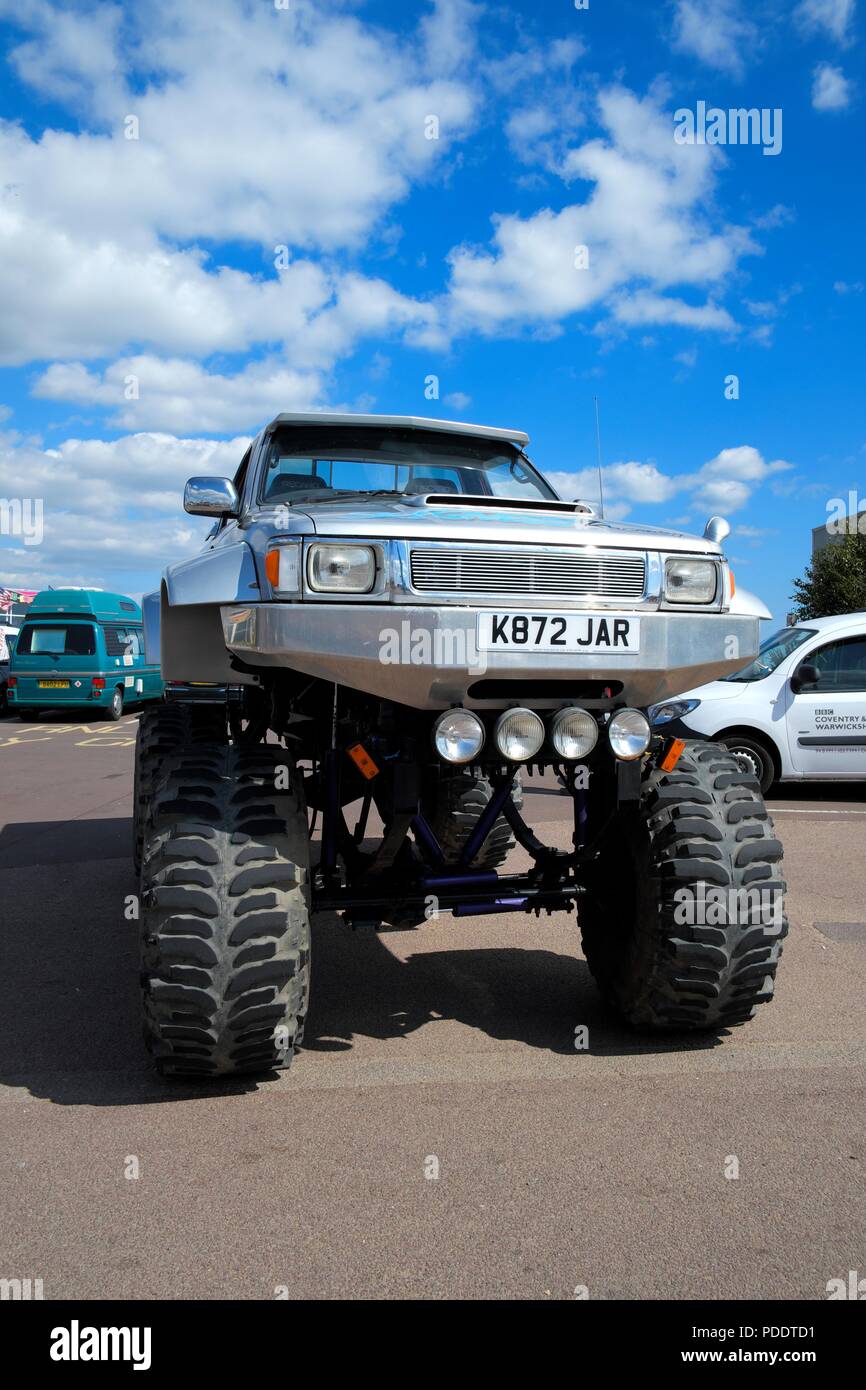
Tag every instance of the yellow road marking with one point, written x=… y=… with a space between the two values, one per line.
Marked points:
x=99 y=733
x=104 y=742
x=43 y=738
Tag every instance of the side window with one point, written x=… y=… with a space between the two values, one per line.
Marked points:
x=114 y=640
x=841 y=665
x=133 y=642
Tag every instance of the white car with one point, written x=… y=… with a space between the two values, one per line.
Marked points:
x=798 y=711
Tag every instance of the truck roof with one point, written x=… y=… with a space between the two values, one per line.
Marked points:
x=400 y=422
x=85 y=603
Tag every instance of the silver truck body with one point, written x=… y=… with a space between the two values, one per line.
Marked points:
x=446 y=566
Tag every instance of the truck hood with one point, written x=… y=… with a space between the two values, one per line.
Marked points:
x=417 y=519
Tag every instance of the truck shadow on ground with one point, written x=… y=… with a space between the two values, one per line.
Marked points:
x=69 y=1003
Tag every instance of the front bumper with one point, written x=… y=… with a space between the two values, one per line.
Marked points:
x=427 y=657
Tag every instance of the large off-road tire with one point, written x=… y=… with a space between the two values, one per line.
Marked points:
x=702 y=824
x=226 y=913
x=166 y=729
x=453 y=804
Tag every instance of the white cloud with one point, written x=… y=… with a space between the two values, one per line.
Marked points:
x=833 y=17
x=297 y=129
x=176 y=394
x=553 y=107
x=778 y=216
x=831 y=90
x=643 y=308
x=715 y=32
x=848 y=286
x=323 y=319
x=725 y=483
x=448 y=34
x=301 y=126
x=645 y=221
x=111 y=508
x=458 y=400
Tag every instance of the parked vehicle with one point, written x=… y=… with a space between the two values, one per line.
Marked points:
x=797 y=712
x=402 y=613
x=81 y=649
x=7 y=643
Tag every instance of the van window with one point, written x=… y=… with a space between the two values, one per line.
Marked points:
x=840 y=665
x=78 y=639
x=120 y=641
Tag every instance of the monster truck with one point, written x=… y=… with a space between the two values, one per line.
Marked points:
x=399 y=615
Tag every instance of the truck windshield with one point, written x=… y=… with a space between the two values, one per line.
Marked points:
x=307 y=465
x=772 y=653
x=78 y=639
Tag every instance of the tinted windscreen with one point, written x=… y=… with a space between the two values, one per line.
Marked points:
x=314 y=465
x=78 y=639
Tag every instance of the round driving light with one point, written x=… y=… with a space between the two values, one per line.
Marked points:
x=458 y=735
x=573 y=733
x=629 y=733
x=519 y=734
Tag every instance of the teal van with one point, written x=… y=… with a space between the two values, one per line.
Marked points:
x=81 y=650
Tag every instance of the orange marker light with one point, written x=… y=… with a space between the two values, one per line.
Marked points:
x=363 y=762
x=673 y=753
x=272 y=568
x=733 y=582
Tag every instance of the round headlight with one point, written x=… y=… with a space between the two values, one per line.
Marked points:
x=519 y=734
x=573 y=733
x=458 y=735
x=629 y=733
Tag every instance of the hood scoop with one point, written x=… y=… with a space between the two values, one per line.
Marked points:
x=516 y=504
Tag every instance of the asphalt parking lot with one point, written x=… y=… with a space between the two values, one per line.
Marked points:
x=439 y=1135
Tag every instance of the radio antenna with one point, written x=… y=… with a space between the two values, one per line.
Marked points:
x=598 y=452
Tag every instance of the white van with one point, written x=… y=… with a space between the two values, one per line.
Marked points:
x=797 y=711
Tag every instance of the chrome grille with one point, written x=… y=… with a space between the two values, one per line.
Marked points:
x=572 y=572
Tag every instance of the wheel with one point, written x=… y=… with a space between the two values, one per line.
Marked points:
x=115 y=709
x=226 y=913
x=166 y=729
x=453 y=803
x=683 y=922
x=752 y=757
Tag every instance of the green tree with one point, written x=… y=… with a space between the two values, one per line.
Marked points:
x=835 y=581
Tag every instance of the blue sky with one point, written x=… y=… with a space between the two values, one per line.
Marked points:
x=154 y=260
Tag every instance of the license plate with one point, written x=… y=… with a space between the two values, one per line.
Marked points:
x=54 y=685
x=567 y=633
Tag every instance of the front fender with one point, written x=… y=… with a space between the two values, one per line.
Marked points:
x=182 y=626
x=226 y=574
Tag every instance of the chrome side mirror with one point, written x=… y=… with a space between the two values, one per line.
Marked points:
x=716 y=529
x=211 y=497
